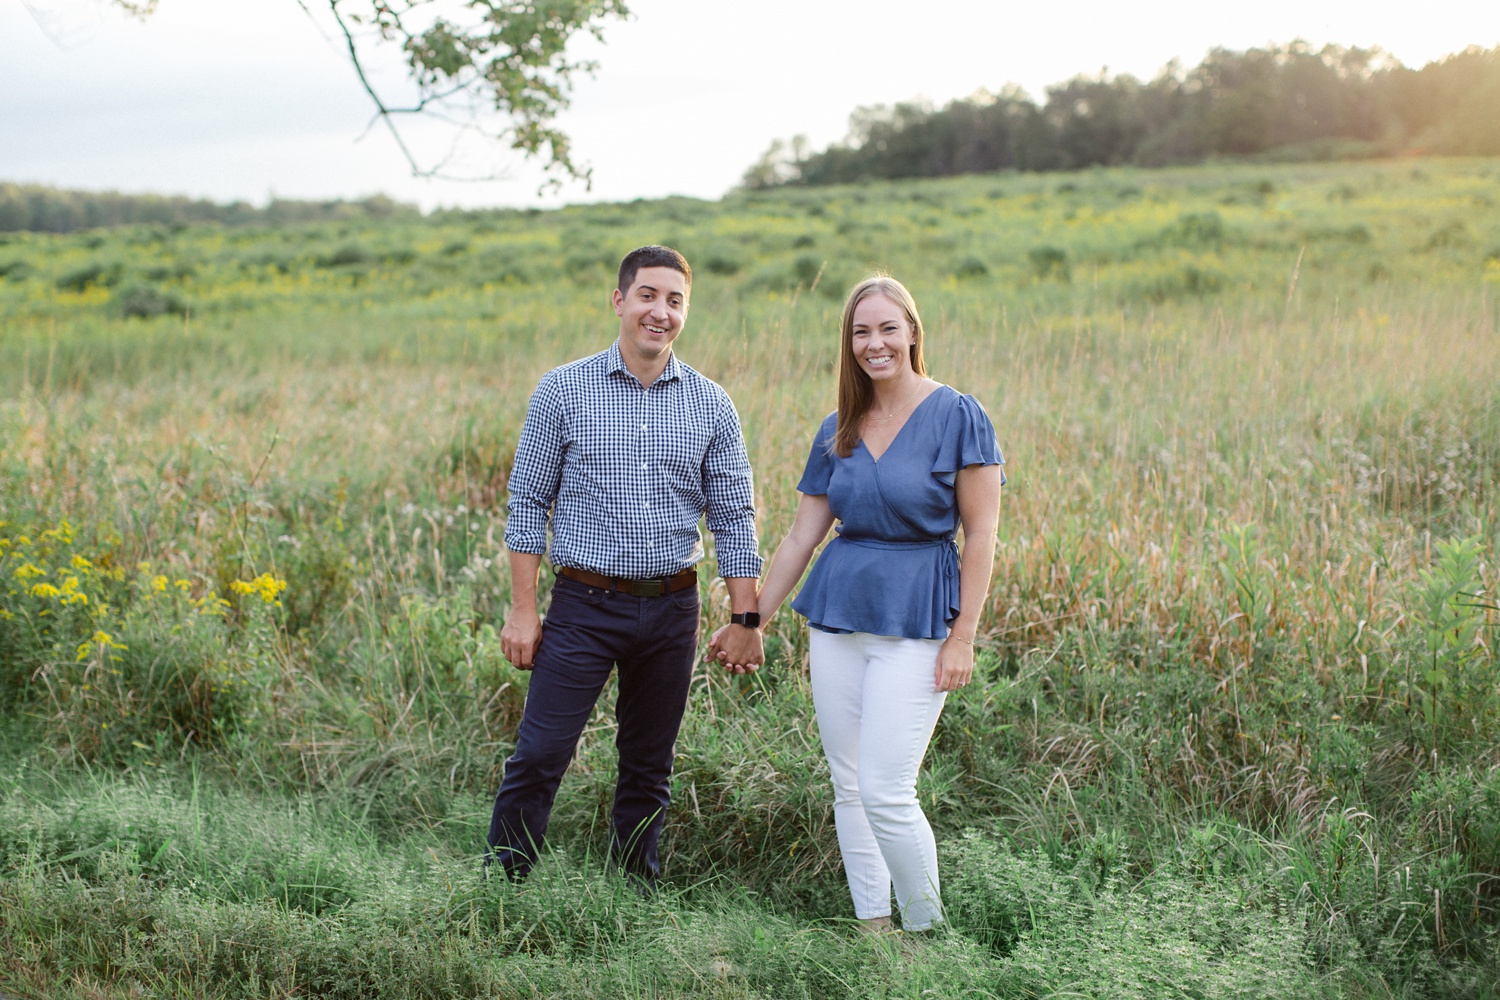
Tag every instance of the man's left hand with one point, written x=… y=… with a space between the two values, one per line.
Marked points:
x=739 y=648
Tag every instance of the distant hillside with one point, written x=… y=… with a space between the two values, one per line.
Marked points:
x=41 y=209
x=1288 y=102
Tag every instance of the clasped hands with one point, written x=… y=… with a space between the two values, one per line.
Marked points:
x=738 y=647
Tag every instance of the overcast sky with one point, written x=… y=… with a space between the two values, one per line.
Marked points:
x=252 y=98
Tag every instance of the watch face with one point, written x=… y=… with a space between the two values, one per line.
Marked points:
x=749 y=619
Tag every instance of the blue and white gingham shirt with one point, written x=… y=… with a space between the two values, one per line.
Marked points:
x=625 y=474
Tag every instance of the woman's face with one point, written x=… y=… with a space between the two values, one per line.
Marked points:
x=882 y=339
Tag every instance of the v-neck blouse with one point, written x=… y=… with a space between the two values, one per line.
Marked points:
x=893 y=568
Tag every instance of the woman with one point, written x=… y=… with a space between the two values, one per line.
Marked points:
x=892 y=606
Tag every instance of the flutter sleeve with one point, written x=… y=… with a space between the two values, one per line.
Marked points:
x=819 y=470
x=968 y=439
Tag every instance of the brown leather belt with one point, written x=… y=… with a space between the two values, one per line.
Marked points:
x=639 y=588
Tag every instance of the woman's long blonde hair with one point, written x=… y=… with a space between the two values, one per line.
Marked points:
x=856 y=392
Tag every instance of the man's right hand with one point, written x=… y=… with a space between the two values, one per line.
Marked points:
x=521 y=636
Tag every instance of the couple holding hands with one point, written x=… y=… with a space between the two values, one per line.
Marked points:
x=623 y=452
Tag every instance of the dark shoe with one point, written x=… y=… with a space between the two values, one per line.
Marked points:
x=644 y=885
x=492 y=865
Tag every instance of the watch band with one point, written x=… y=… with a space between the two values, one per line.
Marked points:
x=749 y=619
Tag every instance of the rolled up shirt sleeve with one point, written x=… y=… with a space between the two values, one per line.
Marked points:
x=537 y=473
x=729 y=489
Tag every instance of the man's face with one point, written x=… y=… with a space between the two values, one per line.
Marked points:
x=652 y=312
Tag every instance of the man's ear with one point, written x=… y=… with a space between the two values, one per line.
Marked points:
x=617 y=299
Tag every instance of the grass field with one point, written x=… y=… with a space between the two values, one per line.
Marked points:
x=1235 y=730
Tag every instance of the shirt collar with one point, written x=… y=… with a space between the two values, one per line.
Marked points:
x=615 y=364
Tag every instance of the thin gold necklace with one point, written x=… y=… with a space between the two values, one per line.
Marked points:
x=889 y=414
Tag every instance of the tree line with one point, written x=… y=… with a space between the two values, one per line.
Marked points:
x=1288 y=101
x=37 y=208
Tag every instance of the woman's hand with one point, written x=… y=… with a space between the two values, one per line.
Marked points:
x=955 y=664
x=713 y=654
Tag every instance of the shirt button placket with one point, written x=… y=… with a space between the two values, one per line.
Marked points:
x=645 y=491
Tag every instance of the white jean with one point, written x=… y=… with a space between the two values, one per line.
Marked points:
x=877 y=707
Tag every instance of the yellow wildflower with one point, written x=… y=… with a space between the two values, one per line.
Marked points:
x=159 y=583
x=267 y=587
x=103 y=640
x=81 y=563
x=26 y=571
x=44 y=590
x=71 y=594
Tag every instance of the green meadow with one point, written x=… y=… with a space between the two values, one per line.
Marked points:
x=1235 y=728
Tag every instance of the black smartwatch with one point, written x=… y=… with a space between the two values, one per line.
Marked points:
x=749 y=619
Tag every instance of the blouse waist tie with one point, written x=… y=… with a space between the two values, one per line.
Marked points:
x=947 y=545
x=881 y=543
x=912 y=591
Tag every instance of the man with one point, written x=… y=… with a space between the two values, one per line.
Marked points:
x=623 y=451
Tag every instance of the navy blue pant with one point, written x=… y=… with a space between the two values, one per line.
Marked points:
x=587 y=632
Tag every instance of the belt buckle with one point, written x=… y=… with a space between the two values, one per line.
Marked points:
x=648 y=588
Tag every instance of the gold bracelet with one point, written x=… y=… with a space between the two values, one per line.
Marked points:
x=954 y=635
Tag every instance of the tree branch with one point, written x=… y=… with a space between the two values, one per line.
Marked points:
x=504 y=59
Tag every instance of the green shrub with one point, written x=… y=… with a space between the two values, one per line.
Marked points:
x=345 y=255
x=1457 y=811
x=113 y=659
x=104 y=273
x=439 y=647
x=722 y=264
x=147 y=302
x=1453 y=233
x=163 y=681
x=1453 y=677
x=501 y=265
x=807 y=268
x=971 y=267
x=279 y=259
x=1049 y=262
x=1168 y=281
x=1194 y=230
x=1060 y=930
x=175 y=271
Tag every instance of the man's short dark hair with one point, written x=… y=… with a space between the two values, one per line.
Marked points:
x=652 y=256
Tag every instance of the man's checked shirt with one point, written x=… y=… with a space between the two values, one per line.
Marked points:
x=625 y=474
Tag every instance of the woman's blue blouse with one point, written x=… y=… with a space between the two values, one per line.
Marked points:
x=892 y=569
